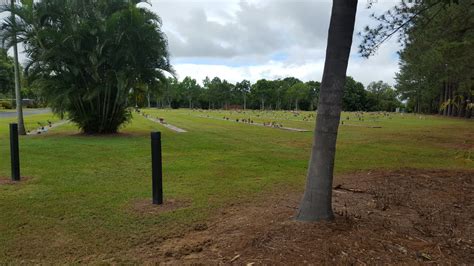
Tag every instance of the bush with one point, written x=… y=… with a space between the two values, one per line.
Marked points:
x=98 y=51
x=5 y=104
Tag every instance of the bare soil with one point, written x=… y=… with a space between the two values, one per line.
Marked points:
x=404 y=216
x=145 y=207
x=8 y=181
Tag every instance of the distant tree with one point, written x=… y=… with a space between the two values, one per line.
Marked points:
x=169 y=91
x=314 y=87
x=243 y=89
x=355 y=97
x=377 y=88
x=262 y=91
x=298 y=92
x=225 y=93
x=382 y=97
x=87 y=58
x=291 y=81
x=7 y=74
x=206 y=93
x=214 y=91
x=317 y=200
x=282 y=90
x=191 y=90
x=289 y=94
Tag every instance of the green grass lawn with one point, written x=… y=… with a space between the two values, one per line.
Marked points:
x=77 y=202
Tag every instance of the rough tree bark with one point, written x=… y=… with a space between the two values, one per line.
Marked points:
x=19 y=103
x=316 y=203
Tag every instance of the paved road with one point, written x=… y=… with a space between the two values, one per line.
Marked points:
x=25 y=112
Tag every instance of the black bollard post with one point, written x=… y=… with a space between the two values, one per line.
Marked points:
x=14 y=152
x=156 y=168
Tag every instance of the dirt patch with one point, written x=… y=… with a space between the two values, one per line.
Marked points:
x=145 y=207
x=6 y=181
x=9 y=181
x=406 y=216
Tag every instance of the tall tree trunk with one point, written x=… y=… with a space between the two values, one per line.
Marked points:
x=450 y=95
x=245 y=102
x=454 y=108
x=440 y=111
x=317 y=200
x=468 y=112
x=418 y=109
x=462 y=106
x=418 y=102
x=19 y=103
x=446 y=90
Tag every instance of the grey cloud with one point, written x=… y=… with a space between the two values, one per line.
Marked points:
x=253 y=29
x=235 y=33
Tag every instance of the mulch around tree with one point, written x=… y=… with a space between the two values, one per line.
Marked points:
x=404 y=216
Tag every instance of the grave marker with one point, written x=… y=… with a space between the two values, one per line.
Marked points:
x=14 y=152
x=156 y=168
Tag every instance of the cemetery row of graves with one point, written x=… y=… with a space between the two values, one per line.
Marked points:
x=88 y=198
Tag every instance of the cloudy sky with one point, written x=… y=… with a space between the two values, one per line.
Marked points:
x=254 y=39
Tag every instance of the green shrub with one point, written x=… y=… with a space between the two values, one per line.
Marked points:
x=98 y=51
x=5 y=104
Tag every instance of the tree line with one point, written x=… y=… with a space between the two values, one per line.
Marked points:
x=437 y=60
x=281 y=94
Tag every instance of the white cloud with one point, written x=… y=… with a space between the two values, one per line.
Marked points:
x=254 y=39
x=270 y=70
x=239 y=39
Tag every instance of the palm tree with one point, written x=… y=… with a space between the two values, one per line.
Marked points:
x=12 y=42
x=86 y=57
x=316 y=203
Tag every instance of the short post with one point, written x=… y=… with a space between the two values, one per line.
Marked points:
x=14 y=152
x=156 y=168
